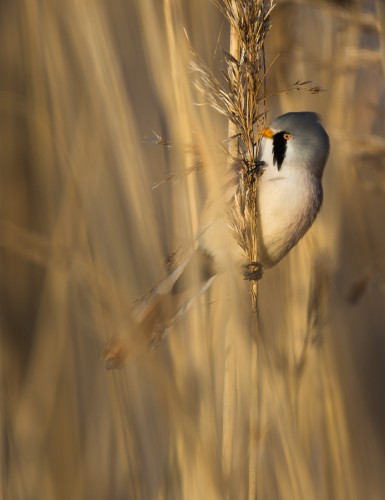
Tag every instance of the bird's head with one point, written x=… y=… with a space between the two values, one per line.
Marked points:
x=297 y=140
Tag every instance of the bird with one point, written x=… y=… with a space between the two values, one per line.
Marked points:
x=293 y=154
x=294 y=150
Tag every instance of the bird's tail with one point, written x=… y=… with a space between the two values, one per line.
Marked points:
x=156 y=312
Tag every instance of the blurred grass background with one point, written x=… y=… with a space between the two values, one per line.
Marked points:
x=83 y=234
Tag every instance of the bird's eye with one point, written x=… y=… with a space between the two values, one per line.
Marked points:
x=287 y=136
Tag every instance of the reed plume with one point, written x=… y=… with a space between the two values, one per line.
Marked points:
x=242 y=99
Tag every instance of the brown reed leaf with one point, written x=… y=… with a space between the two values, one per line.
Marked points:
x=374 y=274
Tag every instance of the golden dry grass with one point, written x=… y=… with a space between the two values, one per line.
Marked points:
x=83 y=234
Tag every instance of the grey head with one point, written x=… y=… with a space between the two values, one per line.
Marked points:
x=299 y=139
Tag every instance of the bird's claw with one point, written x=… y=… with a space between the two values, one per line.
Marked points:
x=257 y=168
x=253 y=271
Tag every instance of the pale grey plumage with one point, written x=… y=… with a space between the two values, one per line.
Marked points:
x=312 y=141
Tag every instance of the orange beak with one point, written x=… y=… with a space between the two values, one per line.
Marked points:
x=267 y=132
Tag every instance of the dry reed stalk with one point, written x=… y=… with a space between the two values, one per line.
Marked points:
x=230 y=364
x=242 y=101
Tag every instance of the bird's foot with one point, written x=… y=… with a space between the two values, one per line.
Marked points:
x=256 y=168
x=253 y=271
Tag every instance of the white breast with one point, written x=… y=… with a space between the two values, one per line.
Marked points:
x=289 y=200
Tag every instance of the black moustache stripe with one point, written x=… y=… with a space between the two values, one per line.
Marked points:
x=279 y=149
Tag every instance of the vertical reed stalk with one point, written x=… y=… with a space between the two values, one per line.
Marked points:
x=243 y=103
x=230 y=365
